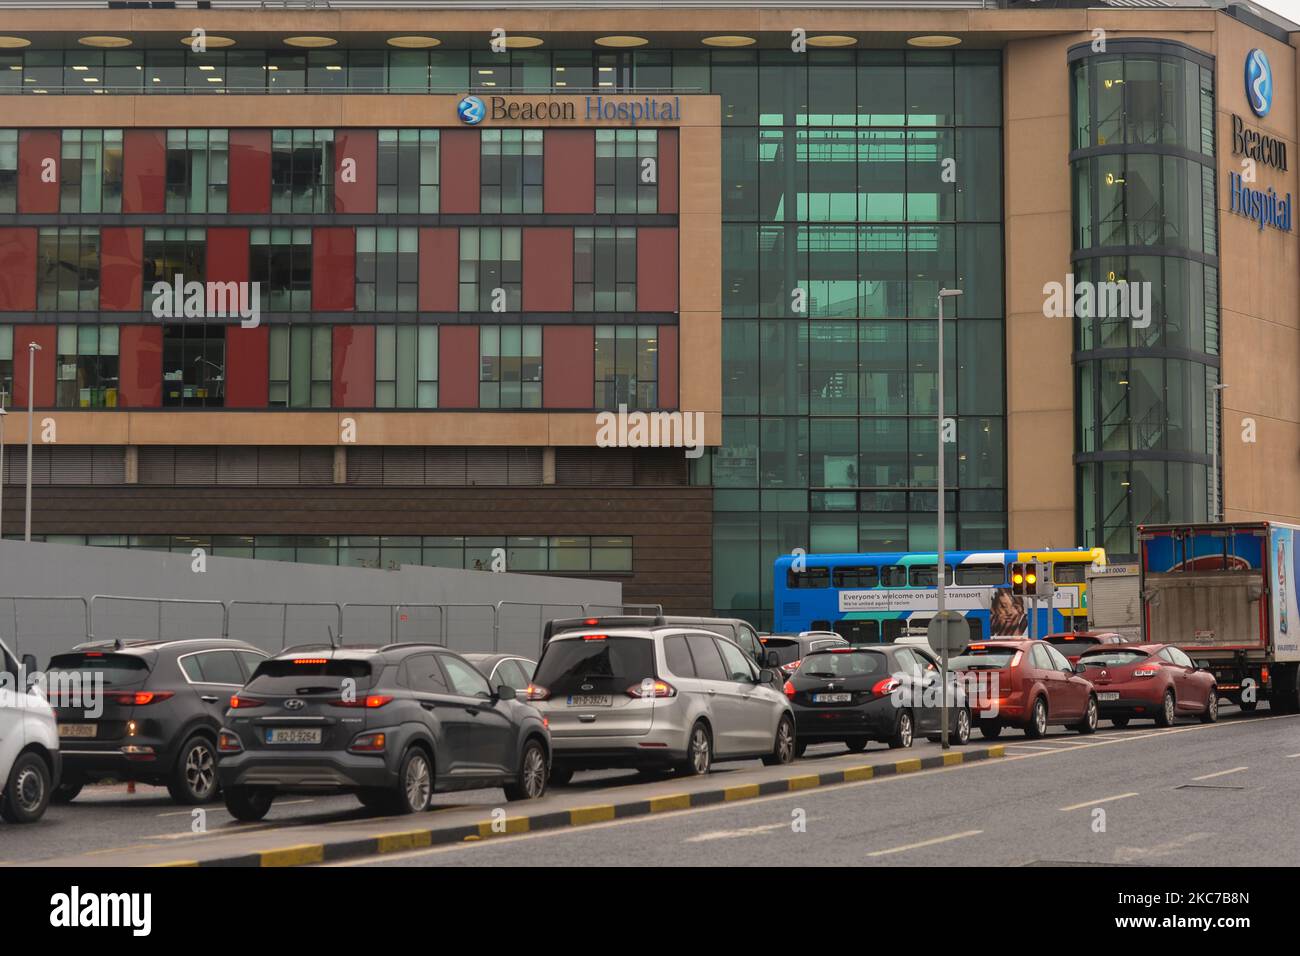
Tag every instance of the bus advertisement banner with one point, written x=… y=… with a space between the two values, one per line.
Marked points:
x=895 y=600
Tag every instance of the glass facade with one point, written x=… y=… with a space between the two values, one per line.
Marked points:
x=1145 y=231
x=855 y=186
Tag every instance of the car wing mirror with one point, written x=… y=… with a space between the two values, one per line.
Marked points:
x=506 y=692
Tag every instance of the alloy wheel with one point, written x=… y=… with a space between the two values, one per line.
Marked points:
x=417 y=786
x=700 y=750
x=200 y=770
x=534 y=773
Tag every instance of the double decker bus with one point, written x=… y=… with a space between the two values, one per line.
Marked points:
x=888 y=596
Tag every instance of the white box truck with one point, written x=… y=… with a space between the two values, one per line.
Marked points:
x=1226 y=594
x=1115 y=600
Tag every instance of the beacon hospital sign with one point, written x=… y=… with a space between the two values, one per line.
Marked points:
x=624 y=111
x=1246 y=197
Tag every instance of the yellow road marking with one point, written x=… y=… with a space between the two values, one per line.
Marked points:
x=591 y=814
x=294 y=855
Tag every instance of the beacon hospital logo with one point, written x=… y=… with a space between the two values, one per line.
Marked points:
x=1259 y=83
x=471 y=110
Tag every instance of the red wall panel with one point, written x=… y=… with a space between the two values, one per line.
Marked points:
x=548 y=270
x=354 y=366
x=568 y=366
x=227 y=255
x=121 y=264
x=144 y=170
x=34 y=147
x=459 y=175
x=569 y=171
x=458 y=366
x=360 y=146
x=44 y=336
x=333 y=269
x=17 y=270
x=439 y=265
x=668 y=365
x=140 y=366
x=656 y=270
x=250 y=170
x=668 y=175
x=247 y=366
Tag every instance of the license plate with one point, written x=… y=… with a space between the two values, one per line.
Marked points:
x=1114 y=696
x=591 y=700
x=832 y=698
x=293 y=735
x=77 y=730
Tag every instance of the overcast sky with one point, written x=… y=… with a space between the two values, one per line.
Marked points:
x=1288 y=8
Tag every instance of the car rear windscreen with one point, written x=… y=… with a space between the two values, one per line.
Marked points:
x=617 y=662
x=787 y=648
x=983 y=658
x=1117 y=658
x=118 y=670
x=308 y=676
x=844 y=664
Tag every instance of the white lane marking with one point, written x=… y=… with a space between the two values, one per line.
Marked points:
x=1032 y=747
x=1221 y=773
x=1291 y=756
x=278 y=803
x=1093 y=803
x=733 y=834
x=925 y=843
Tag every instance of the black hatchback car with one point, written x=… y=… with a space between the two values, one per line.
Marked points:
x=390 y=724
x=864 y=692
x=162 y=706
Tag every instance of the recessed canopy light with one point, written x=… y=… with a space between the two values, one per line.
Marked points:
x=832 y=39
x=100 y=41
x=209 y=40
x=726 y=40
x=14 y=43
x=522 y=42
x=621 y=41
x=414 y=42
x=934 y=39
x=310 y=42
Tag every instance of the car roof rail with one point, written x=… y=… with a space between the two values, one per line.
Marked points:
x=395 y=644
x=313 y=646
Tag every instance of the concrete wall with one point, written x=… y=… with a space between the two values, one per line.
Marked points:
x=66 y=572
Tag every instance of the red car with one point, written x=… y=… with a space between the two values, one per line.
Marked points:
x=1035 y=686
x=1157 y=681
x=1072 y=644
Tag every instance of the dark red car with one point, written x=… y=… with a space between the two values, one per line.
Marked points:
x=1026 y=684
x=1072 y=644
x=1156 y=681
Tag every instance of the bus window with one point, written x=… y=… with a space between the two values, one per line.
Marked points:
x=858 y=632
x=894 y=576
x=976 y=628
x=856 y=577
x=808 y=578
x=981 y=575
x=922 y=575
x=894 y=630
x=1072 y=573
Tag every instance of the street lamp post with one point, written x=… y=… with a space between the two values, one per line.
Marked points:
x=32 y=349
x=1216 y=506
x=941 y=579
x=3 y=413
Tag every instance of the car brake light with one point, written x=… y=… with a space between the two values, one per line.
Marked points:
x=660 y=689
x=537 y=692
x=593 y=637
x=1015 y=661
x=1146 y=671
x=841 y=650
x=370 y=702
x=1263 y=674
x=140 y=698
x=236 y=702
x=368 y=743
x=886 y=686
x=228 y=743
x=310 y=660
x=789 y=690
x=591 y=621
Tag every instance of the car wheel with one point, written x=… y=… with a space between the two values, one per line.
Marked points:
x=532 y=774
x=902 y=738
x=856 y=744
x=67 y=790
x=194 y=780
x=800 y=747
x=1248 y=706
x=783 y=746
x=373 y=799
x=1089 y=723
x=1211 y=707
x=414 y=783
x=962 y=735
x=560 y=776
x=248 y=804
x=1165 y=716
x=1120 y=722
x=27 y=791
x=990 y=729
x=1037 y=725
x=699 y=751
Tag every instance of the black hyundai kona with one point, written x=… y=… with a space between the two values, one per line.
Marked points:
x=390 y=724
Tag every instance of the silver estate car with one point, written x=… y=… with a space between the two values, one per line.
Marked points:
x=656 y=698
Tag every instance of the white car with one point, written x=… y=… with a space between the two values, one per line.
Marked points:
x=29 y=743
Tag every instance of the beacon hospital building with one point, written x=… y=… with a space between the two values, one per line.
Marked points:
x=351 y=283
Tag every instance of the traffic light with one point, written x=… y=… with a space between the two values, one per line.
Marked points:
x=1027 y=579
x=1032 y=577
x=1018 y=576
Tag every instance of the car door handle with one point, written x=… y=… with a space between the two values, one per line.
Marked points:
x=428 y=705
x=712 y=690
x=472 y=711
x=209 y=698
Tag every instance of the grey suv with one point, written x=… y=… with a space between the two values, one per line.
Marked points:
x=657 y=698
x=390 y=724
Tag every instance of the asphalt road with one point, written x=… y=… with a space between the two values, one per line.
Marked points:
x=1193 y=795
